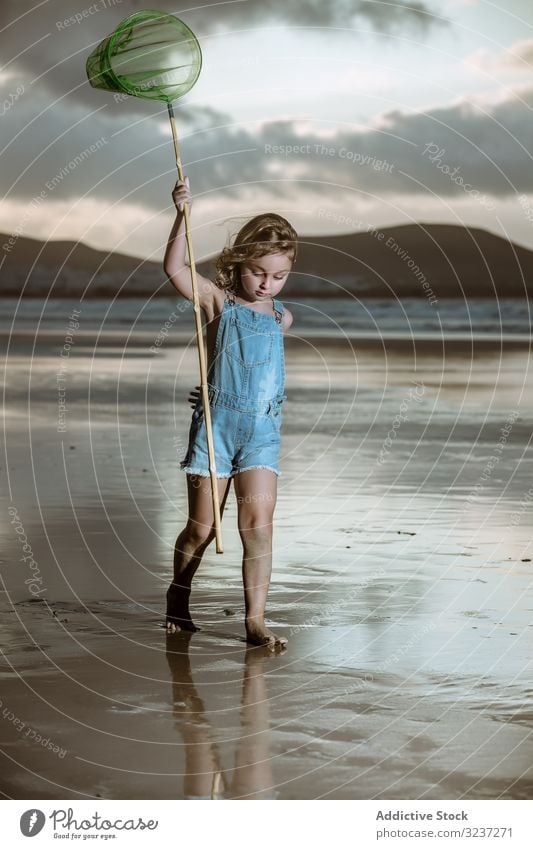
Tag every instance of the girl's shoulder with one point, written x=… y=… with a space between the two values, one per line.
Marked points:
x=286 y=317
x=212 y=301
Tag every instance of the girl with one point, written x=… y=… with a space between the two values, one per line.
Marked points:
x=246 y=381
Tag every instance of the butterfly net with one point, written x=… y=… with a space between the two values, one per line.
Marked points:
x=150 y=54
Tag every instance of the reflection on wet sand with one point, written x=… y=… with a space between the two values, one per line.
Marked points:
x=402 y=576
x=204 y=776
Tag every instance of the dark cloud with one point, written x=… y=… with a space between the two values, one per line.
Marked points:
x=491 y=144
x=130 y=149
x=454 y=151
x=44 y=41
x=210 y=14
x=490 y=149
x=383 y=17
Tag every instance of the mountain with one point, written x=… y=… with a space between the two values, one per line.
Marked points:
x=417 y=260
x=424 y=260
x=63 y=269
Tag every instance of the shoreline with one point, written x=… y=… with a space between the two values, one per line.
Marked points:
x=141 y=338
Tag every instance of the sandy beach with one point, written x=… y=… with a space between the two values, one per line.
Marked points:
x=402 y=573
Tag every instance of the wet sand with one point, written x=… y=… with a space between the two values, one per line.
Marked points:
x=402 y=577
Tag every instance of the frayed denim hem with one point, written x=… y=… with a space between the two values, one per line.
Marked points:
x=202 y=472
x=247 y=469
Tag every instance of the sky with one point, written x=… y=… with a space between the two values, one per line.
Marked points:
x=342 y=116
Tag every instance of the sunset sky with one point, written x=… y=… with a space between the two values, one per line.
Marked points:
x=400 y=113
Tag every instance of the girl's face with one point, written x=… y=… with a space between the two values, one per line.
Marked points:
x=265 y=276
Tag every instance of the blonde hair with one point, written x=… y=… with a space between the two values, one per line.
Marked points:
x=265 y=234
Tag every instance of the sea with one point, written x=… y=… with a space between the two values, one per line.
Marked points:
x=483 y=318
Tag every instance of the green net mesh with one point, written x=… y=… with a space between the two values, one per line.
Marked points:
x=150 y=54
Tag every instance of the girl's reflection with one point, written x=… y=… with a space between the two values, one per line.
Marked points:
x=204 y=777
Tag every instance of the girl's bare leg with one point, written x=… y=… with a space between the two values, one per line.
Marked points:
x=256 y=492
x=189 y=548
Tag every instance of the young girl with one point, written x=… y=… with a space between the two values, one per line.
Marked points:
x=246 y=381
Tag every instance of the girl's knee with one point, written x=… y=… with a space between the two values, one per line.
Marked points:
x=198 y=533
x=255 y=526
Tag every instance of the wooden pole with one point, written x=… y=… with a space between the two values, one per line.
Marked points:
x=200 y=346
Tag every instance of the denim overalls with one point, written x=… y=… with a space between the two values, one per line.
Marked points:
x=246 y=381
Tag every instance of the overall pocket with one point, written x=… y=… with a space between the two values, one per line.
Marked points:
x=249 y=347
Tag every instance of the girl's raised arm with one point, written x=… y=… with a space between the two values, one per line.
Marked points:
x=174 y=263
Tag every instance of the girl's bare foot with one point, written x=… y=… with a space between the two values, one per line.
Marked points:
x=178 y=617
x=258 y=634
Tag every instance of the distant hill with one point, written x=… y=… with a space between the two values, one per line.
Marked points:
x=426 y=260
x=63 y=269
x=413 y=259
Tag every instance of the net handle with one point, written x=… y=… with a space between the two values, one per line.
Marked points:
x=199 y=345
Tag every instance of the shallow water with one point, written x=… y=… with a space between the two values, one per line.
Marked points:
x=402 y=577
x=376 y=316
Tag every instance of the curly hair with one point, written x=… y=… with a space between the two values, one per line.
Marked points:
x=265 y=234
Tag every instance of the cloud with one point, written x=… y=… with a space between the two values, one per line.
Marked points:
x=226 y=14
x=45 y=42
x=518 y=57
x=71 y=151
x=489 y=138
x=384 y=17
x=68 y=150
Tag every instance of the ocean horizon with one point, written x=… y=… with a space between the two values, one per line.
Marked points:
x=327 y=317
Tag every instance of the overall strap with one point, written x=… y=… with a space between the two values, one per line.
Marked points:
x=229 y=297
x=278 y=309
